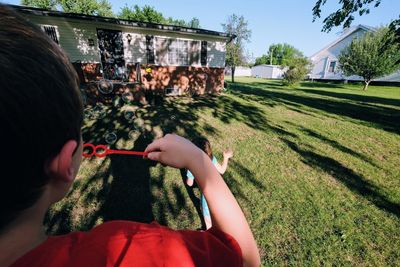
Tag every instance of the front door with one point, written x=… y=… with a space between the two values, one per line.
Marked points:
x=112 y=53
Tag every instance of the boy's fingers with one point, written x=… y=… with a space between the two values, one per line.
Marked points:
x=156 y=145
x=154 y=156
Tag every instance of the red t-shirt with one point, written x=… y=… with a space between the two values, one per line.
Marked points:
x=122 y=243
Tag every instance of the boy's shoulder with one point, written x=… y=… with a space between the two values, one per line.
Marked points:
x=129 y=243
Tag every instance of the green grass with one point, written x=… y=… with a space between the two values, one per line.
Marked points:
x=316 y=170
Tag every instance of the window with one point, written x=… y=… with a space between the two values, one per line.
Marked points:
x=203 y=56
x=178 y=52
x=51 y=31
x=332 y=66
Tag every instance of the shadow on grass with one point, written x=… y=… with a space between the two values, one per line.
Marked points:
x=355 y=182
x=122 y=187
x=374 y=116
x=353 y=97
x=337 y=145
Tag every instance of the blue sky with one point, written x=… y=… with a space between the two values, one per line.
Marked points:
x=271 y=21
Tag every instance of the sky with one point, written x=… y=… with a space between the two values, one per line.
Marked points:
x=271 y=21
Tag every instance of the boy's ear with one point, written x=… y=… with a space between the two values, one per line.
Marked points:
x=61 y=166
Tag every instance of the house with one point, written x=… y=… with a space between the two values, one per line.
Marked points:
x=268 y=71
x=239 y=71
x=325 y=62
x=158 y=57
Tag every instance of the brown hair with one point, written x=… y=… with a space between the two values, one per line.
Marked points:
x=204 y=144
x=40 y=109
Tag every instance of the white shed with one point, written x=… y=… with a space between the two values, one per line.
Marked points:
x=268 y=71
x=239 y=71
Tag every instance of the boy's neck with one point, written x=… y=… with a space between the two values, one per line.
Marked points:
x=23 y=234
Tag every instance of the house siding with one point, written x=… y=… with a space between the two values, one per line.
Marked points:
x=74 y=35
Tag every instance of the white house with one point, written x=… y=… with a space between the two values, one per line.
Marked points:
x=325 y=62
x=268 y=71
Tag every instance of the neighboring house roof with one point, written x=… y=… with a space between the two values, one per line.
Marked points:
x=345 y=34
x=139 y=24
x=266 y=65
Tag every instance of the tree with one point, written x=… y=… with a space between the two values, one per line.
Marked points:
x=45 y=4
x=150 y=14
x=345 y=14
x=281 y=54
x=297 y=69
x=144 y=14
x=235 y=54
x=194 y=23
x=88 y=7
x=262 y=60
x=372 y=56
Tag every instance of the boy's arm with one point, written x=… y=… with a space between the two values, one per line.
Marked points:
x=226 y=214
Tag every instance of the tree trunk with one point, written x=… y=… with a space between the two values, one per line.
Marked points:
x=233 y=73
x=366 y=84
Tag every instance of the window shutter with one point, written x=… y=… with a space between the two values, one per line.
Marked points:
x=51 y=32
x=150 y=49
x=194 y=53
x=203 y=57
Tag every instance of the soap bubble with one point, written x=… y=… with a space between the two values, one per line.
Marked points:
x=127 y=97
x=105 y=87
x=129 y=115
x=110 y=138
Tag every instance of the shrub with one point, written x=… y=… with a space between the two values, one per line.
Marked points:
x=297 y=69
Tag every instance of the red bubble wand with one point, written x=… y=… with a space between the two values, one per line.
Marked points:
x=106 y=151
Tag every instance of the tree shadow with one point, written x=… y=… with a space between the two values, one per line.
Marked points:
x=374 y=116
x=353 y=181
x=358 y=98
x=337 y=145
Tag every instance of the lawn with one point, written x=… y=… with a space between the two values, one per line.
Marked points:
x=316 y=169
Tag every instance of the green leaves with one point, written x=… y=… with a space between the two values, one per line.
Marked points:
x=297 y=69
x=344 y=14
x=150 y=14
x=87 y=7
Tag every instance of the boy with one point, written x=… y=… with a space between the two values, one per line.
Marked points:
x=41 y=117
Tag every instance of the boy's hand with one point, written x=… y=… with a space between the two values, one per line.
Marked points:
x=228 y=154
x=174 y=151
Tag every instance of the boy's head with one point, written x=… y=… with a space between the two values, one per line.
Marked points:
x=40 y=115
x=203 y=144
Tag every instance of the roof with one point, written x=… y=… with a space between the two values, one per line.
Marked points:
x=267 y=65
x=124 y=22
x=345 y=34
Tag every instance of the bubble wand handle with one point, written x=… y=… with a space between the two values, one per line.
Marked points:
x=127 y=152
x=106 y=151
